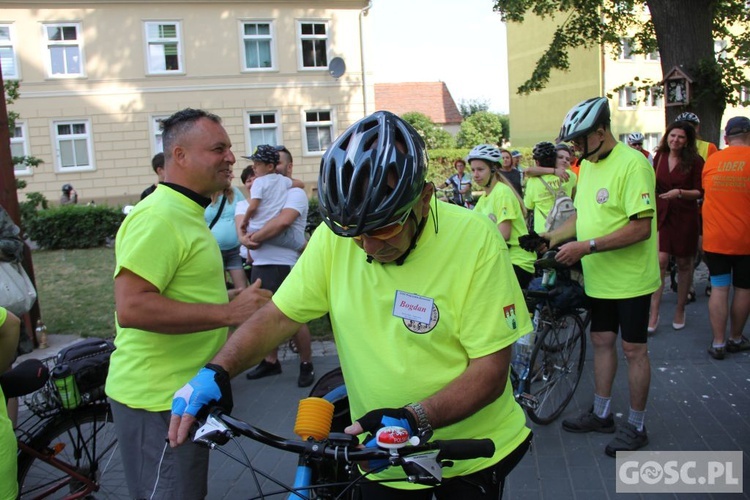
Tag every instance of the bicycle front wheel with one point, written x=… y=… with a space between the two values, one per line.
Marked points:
x=83 y=440
x=555 y=368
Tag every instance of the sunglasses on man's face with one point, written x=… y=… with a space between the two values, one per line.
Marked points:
x=388 y=231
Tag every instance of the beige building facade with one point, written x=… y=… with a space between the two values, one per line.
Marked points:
x=593 y=72
x=95 y=78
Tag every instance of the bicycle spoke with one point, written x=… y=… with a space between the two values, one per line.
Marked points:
x=556 y=366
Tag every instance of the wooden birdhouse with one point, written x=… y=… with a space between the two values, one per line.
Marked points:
x=678 y=87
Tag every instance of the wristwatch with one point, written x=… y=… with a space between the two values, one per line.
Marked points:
x=424 y=429
x=592 y=246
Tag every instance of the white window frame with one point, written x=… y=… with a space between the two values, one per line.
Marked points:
x=301 y=38
x=653 y=56
x=157 y=146
x=653 y=99
x=626 y=50
x=88 y=136
x=163 y=41
x=64 y=43
x=10 y=44
x=318 y=124
x=626 y=98
x=24 y=142
x=651 y=141
x=249 y=127
x=270 y=38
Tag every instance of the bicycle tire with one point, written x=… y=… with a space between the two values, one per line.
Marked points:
x=84 y=438
x=556 y=366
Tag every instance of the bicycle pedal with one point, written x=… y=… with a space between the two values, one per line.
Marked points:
x=529 y=401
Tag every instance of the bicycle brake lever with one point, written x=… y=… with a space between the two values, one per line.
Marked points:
x=213 y=432
x=423 y=468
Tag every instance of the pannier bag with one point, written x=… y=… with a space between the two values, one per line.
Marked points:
x=88 y=361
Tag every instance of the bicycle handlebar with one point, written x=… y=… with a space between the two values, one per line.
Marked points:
x=219 y=428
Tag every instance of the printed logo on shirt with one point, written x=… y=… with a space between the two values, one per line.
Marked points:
x=646 y=198
x=510 y=316
x=418 y=327
x=602 y=196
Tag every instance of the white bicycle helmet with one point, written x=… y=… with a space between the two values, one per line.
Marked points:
x=635 y=138
x=485 y=152
x=584 y=118
x=687 y=116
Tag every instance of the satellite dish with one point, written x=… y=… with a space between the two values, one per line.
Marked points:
x=337 y=67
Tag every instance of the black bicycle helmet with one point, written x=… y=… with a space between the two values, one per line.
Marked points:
x=689 y=117
x=545 y=153
x=67 y=188
x=266 y=154
x=584 y=118
x=371 y=175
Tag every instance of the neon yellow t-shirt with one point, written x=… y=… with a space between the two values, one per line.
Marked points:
x=503 y=205
x=165 y=241
x=538 y=198
x=477 y=309
x=609 y=193
x=8 y=447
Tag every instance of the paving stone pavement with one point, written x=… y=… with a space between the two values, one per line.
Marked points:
x=696 y=403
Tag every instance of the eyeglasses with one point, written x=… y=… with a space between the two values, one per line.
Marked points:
x=388 y=231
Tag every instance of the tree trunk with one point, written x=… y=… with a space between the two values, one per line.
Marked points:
x=684 y=36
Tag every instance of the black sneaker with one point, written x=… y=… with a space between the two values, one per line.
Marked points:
x=264 y=369
x=716 y=352
x=628 y=438
x=306 y=374
x=589 y=422
x=734 y=346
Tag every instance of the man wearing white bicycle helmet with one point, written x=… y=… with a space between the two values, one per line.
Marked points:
x=635 y=141
x=423 y=343
x=616 y=231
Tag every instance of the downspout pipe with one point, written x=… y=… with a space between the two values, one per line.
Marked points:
x=362 y=14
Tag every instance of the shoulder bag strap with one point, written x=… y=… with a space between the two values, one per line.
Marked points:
x=218 y=214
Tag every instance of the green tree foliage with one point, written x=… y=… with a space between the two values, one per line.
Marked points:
x=434 y=136
x=480 y=128
x=683 y=32
x=468 y=107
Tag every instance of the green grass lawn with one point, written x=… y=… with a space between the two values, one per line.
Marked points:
x=76 y=292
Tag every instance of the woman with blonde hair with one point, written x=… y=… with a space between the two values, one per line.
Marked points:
x=503 y=205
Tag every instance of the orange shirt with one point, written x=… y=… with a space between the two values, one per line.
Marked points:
x=726 y=205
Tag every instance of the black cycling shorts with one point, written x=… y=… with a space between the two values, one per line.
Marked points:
x=628 y=316
x=720 y=265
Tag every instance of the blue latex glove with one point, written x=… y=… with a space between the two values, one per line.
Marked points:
x=209 y=388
